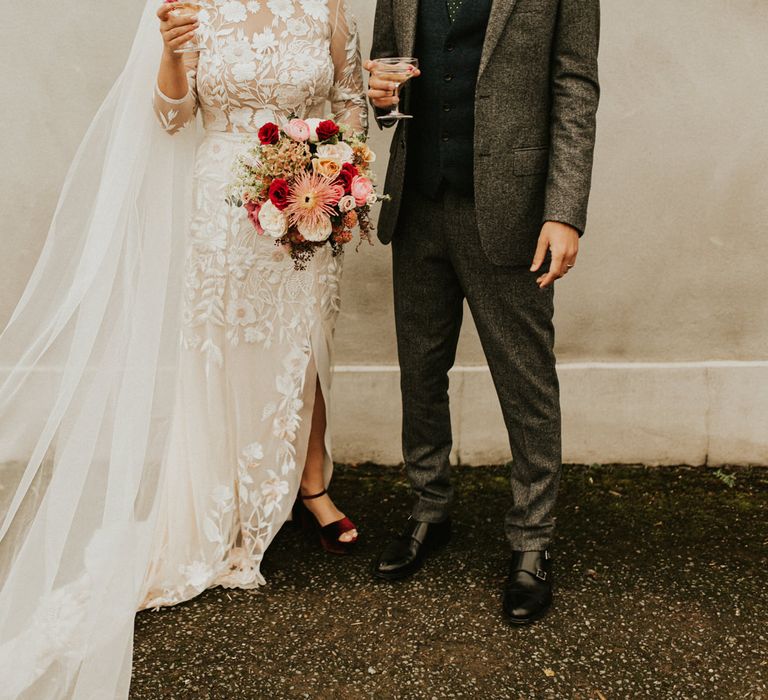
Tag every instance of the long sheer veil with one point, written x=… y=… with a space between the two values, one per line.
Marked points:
x=87 y=371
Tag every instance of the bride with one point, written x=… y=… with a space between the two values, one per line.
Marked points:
x=169 y=374
x=255 y=363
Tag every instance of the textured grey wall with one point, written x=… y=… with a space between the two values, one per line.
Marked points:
x=674 y=264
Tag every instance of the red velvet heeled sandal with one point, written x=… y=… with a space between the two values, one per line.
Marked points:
x=329 y=534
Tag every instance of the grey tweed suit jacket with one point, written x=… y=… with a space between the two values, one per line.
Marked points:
x=535 y=106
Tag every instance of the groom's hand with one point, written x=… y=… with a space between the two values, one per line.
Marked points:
x=563 y=241
x=381 y=92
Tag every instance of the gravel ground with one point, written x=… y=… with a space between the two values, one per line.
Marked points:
x=660 y=593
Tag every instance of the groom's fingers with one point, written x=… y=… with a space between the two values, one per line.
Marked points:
x=382 y=100
x=382 y=92
x=541 y=253
x=381 y=85
x=557 y=268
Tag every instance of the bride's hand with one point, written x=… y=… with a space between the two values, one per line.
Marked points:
x=177 y=29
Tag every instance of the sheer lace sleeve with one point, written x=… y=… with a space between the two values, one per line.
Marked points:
x=348 y=100
x=176 y=114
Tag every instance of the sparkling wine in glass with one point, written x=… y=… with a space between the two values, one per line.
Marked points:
x=190 y=9
x=399 y=71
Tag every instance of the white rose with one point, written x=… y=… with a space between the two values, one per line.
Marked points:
x=272 y=220
x=340 y=152
x=319 y=234
x=313 y=124
x=347 y=203
x=373 y=198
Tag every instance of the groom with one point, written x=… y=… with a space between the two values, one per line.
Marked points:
x=489 y=185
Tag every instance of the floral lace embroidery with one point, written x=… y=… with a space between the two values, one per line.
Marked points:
x=269 y=59
x=266 y=59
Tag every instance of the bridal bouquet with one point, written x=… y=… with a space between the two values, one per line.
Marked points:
x=307 y=184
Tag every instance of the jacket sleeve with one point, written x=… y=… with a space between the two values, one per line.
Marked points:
x=384 y=43
x=575 y=96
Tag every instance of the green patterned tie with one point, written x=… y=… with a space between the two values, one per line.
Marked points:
x=453 y=8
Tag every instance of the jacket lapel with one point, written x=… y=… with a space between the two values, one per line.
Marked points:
x=500 y=12
x=406 y=13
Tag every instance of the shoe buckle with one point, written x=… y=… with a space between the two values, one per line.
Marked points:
x=541 y=575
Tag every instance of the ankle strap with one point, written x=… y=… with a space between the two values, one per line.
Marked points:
x=309 y=498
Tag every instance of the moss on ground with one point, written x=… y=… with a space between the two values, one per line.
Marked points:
x=660 y=593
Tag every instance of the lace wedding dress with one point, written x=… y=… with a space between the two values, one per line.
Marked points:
x=257 y=334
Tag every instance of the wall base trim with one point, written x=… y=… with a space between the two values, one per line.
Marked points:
x=697 y=413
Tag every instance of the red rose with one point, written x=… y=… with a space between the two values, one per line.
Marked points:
x=348 y=173
x=269 y=134
x=278 y=193
x=327 y=130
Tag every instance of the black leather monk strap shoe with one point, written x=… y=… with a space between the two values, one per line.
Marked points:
x=405 y=555
x=528 y=591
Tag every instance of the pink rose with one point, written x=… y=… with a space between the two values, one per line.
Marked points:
x=361 y=188
x=253 y=209
x=313 y=123
x=335 y=196
x=297 y=129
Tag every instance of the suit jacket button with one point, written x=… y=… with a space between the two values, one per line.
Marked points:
x=448 y=77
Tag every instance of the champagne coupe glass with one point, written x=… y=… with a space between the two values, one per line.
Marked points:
x=190 y=9
x=398 y=70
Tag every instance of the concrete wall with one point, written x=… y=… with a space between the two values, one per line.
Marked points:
x=662 y=328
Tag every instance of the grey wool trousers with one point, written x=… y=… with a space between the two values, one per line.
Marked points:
x=438 y=262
